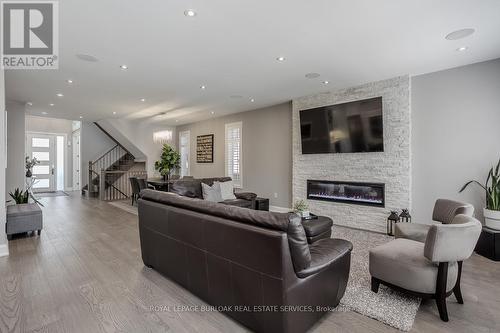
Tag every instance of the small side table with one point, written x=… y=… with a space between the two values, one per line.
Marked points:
x=488 y=244
x=261 y=204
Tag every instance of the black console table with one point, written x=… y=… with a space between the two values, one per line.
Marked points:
x=488 y=244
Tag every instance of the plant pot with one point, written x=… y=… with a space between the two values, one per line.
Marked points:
x=305 y=213
x=492 y=218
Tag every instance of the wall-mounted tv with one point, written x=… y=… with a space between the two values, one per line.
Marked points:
x=352 y=127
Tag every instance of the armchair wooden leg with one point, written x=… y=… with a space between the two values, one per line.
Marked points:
x=440 y=295
x=375 y=284
x=456 y=290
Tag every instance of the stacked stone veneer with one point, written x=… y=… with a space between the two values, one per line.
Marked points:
x=392 y=167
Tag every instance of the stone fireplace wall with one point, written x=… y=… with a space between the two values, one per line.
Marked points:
x=392 y=167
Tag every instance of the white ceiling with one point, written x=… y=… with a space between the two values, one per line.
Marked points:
x=231 y=47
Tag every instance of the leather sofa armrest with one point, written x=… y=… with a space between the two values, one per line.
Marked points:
x=325 y=252
x=245 y=195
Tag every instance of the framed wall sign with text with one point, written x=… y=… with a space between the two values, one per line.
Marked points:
x=205 y=148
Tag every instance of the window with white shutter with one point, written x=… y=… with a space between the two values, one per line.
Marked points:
x=233 y=153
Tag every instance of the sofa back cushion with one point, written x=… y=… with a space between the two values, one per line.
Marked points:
x=285 y=222
x=190 y=188
x=445 y=210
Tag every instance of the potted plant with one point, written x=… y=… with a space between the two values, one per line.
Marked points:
x=492 y=189
x=30 y=163
x=22 y=197
x=169 y=161
x=300 y=207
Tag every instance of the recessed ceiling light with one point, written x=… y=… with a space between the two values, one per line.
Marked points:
x=81 y=117
x=87 y=57
x=326 y=82
x=280 y=58
x=124 y=67
x=459 y=34
x=252 y=100
x=143 y=99
x=114 y=112
x=44 y=113
x=51 y=104
x=59 y=95
x=29 y=104
x=463 y=48
x=69 y=81
x=212 y=112
x=176 y=120
x=312 y=75
x=203 y=87
x=189 y=13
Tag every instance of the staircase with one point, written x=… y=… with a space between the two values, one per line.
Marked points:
x=108 y=176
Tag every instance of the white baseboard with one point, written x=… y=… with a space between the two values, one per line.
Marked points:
x=68 y=189
x=4 y=250
x=278 y=209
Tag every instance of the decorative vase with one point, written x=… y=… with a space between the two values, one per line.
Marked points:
x=305 y=213
x=165 y=177
x=29 y=173
x=492 y=218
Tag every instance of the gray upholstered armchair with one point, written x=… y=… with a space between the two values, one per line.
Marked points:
x=431 y=269
x=444 y=212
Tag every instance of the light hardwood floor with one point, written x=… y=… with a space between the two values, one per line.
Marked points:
x=85 y=274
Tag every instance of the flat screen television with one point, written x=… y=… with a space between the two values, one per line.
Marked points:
x=352 y=127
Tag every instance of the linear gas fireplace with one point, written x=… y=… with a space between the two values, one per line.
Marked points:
x=372 y=194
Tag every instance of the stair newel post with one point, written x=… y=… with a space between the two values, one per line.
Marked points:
x=102 y=185
x=90 y=179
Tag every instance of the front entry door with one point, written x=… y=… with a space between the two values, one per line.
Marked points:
x=42 y=147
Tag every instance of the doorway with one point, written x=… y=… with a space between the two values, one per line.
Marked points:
x=49 y=150
x=76 y=160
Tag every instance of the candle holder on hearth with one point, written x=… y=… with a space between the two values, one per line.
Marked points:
x=391 y=222
x=405 y=216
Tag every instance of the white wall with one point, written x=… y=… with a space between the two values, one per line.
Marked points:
x=140 y=133
x=4 y=249
x=93 y=144
x=56 y=126
x=16 y=172
x=266 y=151
x=455 y=134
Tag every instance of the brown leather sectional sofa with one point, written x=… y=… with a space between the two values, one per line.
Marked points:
x=256 y=264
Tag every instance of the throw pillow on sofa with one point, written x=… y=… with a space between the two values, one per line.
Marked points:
x=227 y=190
x=211 y=193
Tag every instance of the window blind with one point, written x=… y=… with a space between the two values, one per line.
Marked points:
x=233 y=152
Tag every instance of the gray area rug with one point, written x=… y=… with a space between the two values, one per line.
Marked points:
x=388 y=306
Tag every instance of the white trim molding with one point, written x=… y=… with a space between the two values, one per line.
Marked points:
x=278 y=209
x=4 y=250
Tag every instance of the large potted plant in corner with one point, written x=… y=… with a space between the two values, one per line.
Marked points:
x=492 y=189
x=169 y=161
